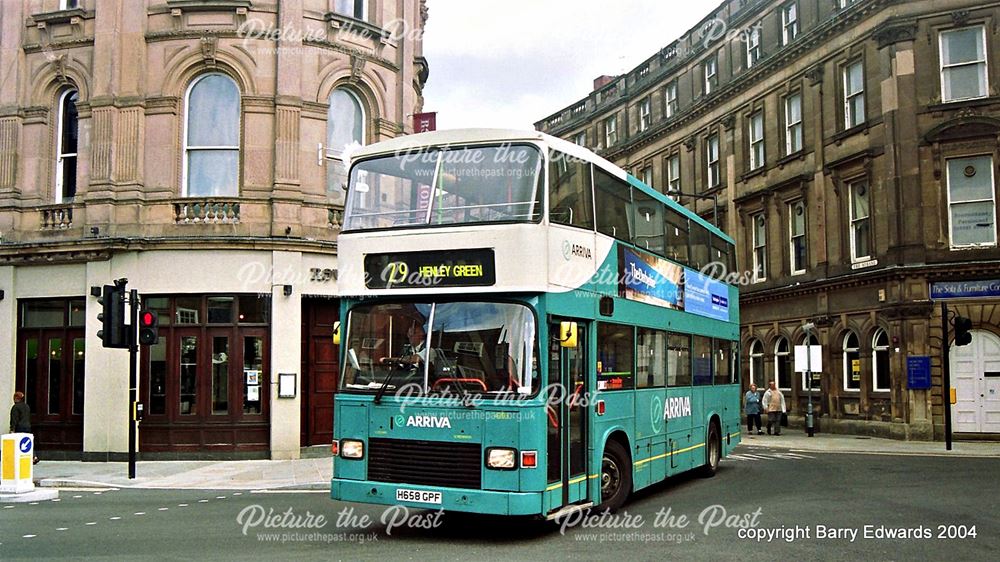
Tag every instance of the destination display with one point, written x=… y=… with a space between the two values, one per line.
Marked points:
x=438 y=268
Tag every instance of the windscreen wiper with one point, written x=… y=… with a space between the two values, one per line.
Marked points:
x=385 y=385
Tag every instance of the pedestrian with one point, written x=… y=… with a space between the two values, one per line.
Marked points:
x=20 y=416
x=774 y=405
x=751 y=405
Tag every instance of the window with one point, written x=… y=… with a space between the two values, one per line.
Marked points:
x=701 y=362
x=757 y=363
x=676 y=237
x=674 y=173
x=725 y=354
x=852 y=362
x=68 y=4
x=712 y=161
x=357 y=9
x=759 y=248
x=963 y=64
x=854 y=95
x=645 y=114
x=672 y=106
x=783 y=364
x=67 y=138
x=678 y=360
x=793 y=123
x=756 y=126
x=789 y=23
x=797 y=237
x=612 y=200
x=846 y=3
x=711 y=71
x=971 y=207
x=701 y=246
x=753 y=45
x=570 y=193
x=581 y=139
x=650 y=358
x=615 y=350
x=816 y=386
x=646 y=176
x=345 y=129
x=610 y=131
x=860 y=222
x=648 y=222
x=212 y=140
x=881 y=381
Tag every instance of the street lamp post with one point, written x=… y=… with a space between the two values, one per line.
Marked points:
x=808 y=328
x=714 y=198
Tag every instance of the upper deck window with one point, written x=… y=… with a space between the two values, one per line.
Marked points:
x=446 y=186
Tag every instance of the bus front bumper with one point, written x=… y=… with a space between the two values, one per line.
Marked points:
x=452 y=499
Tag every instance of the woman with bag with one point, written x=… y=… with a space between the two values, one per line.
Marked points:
x=774 y=404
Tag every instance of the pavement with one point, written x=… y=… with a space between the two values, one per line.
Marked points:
x=315 y=473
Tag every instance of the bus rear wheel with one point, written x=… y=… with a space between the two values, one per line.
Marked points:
x=616 y=476
x=713 y=452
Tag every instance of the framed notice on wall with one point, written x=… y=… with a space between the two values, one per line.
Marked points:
x=286 y=385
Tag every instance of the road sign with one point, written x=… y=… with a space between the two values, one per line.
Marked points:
x=815 y=359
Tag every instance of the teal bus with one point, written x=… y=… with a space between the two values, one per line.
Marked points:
x=526 y=329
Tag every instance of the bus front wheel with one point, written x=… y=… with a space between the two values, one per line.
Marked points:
x=713 y=452
x=616 y=476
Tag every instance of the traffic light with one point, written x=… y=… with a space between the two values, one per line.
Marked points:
x=148 y=325
x=962 y=327
x=113 y=332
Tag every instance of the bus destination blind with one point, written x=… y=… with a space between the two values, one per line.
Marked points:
x=415 y=270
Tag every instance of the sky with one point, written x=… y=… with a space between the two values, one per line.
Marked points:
x=510 y=63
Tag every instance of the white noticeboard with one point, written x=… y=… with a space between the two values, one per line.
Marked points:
x=815 y=358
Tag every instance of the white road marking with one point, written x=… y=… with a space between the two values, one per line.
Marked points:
x=182 y=505
x=163 y=508
x=75 y=497
x=139 y=513
x=289 y=491
x=29 y=536
x=220 y=497
x=98 y=493
x=56 y=500
x=33 y=503
x=202 y=501
x=115 y=518
x=8 y=507
x=237 y=493
x=92 y=523
x=62 y=528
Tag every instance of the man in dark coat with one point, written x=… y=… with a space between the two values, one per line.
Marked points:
x=20 y=417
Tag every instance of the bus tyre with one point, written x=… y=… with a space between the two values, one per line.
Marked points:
x=616 y=476
x=713 y=452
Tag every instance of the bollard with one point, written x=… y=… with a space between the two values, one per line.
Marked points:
x=17 y=451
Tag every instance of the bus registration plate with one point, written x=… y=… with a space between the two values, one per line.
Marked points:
x=419 y=496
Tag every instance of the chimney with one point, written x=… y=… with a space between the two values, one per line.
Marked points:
x=602 y=81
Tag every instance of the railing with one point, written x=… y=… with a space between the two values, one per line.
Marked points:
x=57 y=218
x=207 y=212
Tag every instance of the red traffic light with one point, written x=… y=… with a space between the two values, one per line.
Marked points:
x=147 y=319
x=148 y=324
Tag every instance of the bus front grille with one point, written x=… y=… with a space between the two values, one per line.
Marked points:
x=428 y=463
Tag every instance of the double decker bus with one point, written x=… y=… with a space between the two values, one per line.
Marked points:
x=525 y=329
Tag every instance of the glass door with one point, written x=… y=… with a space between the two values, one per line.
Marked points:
x=567 y=413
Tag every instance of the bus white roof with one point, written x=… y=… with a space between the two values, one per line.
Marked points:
x=474 y=136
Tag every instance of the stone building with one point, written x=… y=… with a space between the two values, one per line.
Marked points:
x=192 y=147
x=852 y=147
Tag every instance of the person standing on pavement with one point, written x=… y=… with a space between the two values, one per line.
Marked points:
x=751 y=405
x=774 y=404
x=20 y=417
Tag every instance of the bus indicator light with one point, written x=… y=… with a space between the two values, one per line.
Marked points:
x=335 y=448
x=600 y=407
x=529 y=459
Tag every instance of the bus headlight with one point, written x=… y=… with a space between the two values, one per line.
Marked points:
x=352 y=449
x=501 y=458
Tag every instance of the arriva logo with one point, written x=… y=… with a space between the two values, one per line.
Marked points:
x=428 y=421
x=677 y=407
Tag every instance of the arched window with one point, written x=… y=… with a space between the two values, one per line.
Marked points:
x=852 y=362
x=345 y=127
x=881 y=379
x=756 y=363
x=783 y=364
x=212 y=137
x=816 y=386
x=67 y=136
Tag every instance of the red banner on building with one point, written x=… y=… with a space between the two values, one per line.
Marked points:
x=424 y=122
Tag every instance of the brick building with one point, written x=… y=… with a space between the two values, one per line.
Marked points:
x=192 y=147
x=852 y=147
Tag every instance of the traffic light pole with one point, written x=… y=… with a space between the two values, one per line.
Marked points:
x=133 y=356
x=945 y=376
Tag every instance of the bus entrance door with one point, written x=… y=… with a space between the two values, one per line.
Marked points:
x=567 y=413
